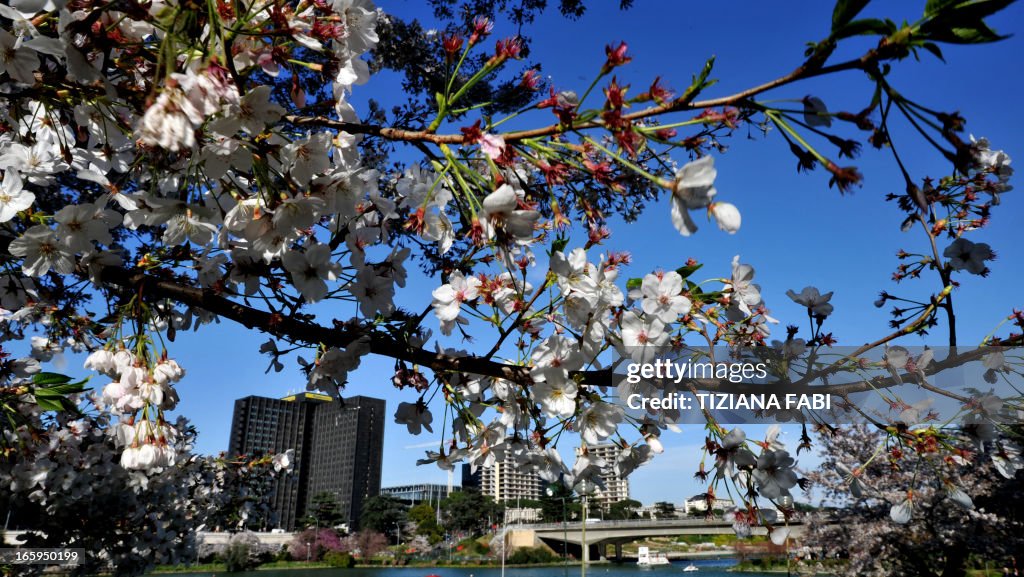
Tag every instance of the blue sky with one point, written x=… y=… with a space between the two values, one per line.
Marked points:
x=796 y=231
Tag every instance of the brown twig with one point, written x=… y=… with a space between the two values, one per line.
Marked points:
x=682 y=103
x=298 y=330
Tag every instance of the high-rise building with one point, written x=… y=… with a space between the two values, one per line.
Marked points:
x=338 y=445
x=616 y=487
x=504 y=481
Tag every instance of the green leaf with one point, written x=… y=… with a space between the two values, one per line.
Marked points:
x=934 y=49
x=686 y=271
x=708 y=65
x=634 y=283
x=700 y=81
x=845 y=11
x=559 y=245
x=49 y=400
x=972 y=9
x=61 y=390
x=44 y=379
x=933 y=7
x=865 y=27
x=977 y=33
x=961 y=22
x=47 y=404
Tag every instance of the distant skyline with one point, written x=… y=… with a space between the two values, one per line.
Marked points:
x=796 y=231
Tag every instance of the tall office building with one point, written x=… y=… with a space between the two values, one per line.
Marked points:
x=616 y=487
x=504 y=481
x=338 y=444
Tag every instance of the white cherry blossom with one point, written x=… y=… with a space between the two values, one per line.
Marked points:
x=727 y=215
x=307 y=157
x=311 y=269
x=415 y=416
x=694 y=188
x=375 y=292
x=42 y=252
x=817 y=304
x=660 y=296
x=79 y=226
x=643 y=338
x=774 y=474
x=970 y=256
x=745 y=294
x=599 y=421
x=501 y=213
x=556 y=396
x=19 y=62
x=253 y=113
x=37 y=163
x=448 y=298
x=13 y=196
x=903 y=511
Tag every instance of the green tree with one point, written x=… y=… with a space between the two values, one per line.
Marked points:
x=325 y=511
x=236 y=557
x=422 y=513
x=425 y=518
x=339 y=559
x=470 y=511
x=664 y=509
x=624 y=509
x=530 y=555
x=383 y=514
x=551 y=505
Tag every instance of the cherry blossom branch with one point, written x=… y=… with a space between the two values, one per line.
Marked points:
x=902 y=331
x=944 y=276
x=277 y=324
x=303 y=331
x=684 y=102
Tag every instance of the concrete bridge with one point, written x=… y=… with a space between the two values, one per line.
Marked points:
x=603 y=533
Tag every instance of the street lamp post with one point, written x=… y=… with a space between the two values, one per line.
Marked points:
x=786 y=502
x=584 y=551
x=308 y=551
x=550 y=492
x=316 y=531
x=504 y=544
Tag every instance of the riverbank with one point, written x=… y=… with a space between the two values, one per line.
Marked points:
x=276 y=565
x=439 y=564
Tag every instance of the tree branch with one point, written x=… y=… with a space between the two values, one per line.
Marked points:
x=303 y=331
x=684 y=102
x=382 y=344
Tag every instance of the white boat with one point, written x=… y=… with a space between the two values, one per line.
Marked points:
x=648 y=558
x=691 y=567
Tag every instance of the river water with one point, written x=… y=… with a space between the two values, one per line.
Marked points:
x=707 y=568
